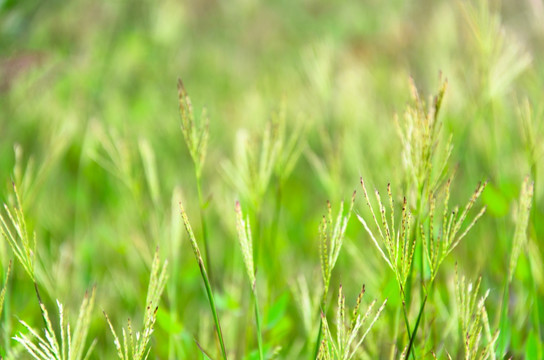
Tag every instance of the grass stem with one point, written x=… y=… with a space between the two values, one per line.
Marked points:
x=204 y=229
x=414 y=333
x=206 y=280
x=259 y=326
x=318 y=340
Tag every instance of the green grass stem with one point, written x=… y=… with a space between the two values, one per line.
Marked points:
x=258 y=323
x=202 y=206
x=205 y=279
x=416 y=327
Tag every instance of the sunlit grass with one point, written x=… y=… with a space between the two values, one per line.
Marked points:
x=291 y=106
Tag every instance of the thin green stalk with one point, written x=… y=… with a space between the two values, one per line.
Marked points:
x=212 y=306
x=5 y=304
x=535 y=312
x=534 y=309
x=414 y=333
x=6 y=323
x=318 y=341
x=396 y=334
x=274 y=226
x=422 y=253
x=206 y=280
x=407 y=324
x=259 y=328
x=242 y=324
x=502 y=342
x=421 y=266
x=322 y=310
x=204 y=229
x=258 y=250
x=172 y=298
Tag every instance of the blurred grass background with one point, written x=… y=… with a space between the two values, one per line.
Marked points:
x=86 y=87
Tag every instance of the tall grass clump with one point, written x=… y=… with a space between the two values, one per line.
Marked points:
x=134 y=345
x=350 y=331
x=425 y=158
x=398 y=242
x=14 y=230
x=331 y=237
x=473 y=320
x=523 y=213
x=302 y=102
x=69 y=345
x=438 y=246
x=519 y=246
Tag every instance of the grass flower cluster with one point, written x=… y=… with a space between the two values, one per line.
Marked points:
x=69 y=345
x=135 y=344
x=350 y=333
x=474 y=322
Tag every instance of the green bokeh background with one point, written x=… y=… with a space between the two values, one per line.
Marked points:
x=77 y=75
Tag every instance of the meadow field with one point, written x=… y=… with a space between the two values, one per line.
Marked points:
x=271 y=180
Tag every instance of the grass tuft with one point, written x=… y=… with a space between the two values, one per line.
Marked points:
x=399 y=245
x=351 y=333
x=473 y=320
x=331 y=235
x=437 y=247
x=66 y=346
x=14 y=230
x=135 y=345
x=522 y=221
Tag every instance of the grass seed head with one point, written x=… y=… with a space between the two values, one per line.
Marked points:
x=69 y=345
x=246 y=243
x=522 y=220
x=14 y=230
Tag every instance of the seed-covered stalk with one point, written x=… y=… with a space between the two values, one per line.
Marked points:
x=14 y=230
x=437 y=247
x=331 y=234
x=531 y=133
x=425 y=157
x=397 y=246
x=473 y=320
x=135 y=344
x=69 y=345
x=196 y=138
x=331 y=238
x=522 y=221
x=523 y=212
x=246 y=244
x=350 y=333
x=205 y=279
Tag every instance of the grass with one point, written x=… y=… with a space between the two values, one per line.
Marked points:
x=285 y=109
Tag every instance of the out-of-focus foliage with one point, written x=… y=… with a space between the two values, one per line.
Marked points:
x=301 y=99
